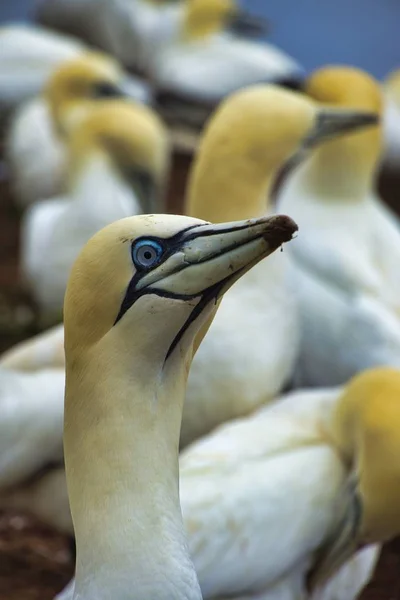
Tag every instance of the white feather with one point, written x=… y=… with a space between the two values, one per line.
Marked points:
x=28 y=55
x=208 y=70
x=345 y=261
x=31 y=422
x=254 y=337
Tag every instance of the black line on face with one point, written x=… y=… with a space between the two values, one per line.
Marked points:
x=207 y=296
x=171 y=244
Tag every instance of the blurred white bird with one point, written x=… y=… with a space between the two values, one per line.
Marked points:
x=31 y=422
x=118 y=164
x=28 y=56
x=255 y=335
x=347 y=258
x=42 y=351
x=35 y=147
x=194 y=52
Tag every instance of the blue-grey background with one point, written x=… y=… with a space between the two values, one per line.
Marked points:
x=365 y=33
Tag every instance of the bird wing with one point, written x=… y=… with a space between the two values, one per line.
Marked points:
x=31 y=423
x=252 y=499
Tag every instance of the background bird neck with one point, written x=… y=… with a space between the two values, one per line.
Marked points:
x=229 y=190
x=343 y=168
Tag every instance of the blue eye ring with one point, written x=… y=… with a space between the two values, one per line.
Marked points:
x=146 y=253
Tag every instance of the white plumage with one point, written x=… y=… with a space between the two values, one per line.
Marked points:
x=28 y=56
x=346 y=259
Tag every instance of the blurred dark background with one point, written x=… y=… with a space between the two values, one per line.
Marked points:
x=364 y=33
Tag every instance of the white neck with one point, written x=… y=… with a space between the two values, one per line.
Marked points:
x=338 y=170
x=101 y=195
x=123 y=479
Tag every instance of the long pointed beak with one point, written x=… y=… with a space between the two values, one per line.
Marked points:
x=243 y=24
x=209 y=258
x=335 y=122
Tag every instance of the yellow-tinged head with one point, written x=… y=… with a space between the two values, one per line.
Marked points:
x=347 y=87
x=149 y=274
x=249 y=138
x=203 y=18
x=79 y=83
x=366 y=430
x=131 y=136
x=353 y=158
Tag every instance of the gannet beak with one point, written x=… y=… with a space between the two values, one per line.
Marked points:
x=207 y=259
x=331 y=122
x=134 y=88
x=243 y=24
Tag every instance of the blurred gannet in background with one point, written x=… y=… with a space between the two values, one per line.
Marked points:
x=118 y=165
x=31 y=423
x=129 y=30
x=194 y=52
x=255 y=335
x=36 y=141
x=28 y=56
x=347 y=258
x=42 y=351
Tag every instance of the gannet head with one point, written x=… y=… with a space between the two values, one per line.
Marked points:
x=78 y=83
x=203 y=18
x=351 y=89
x=149 y=282
x=251 y=136
x=366 y=429
x=133 y=141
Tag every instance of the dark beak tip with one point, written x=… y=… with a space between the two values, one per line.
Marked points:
x=281 y=229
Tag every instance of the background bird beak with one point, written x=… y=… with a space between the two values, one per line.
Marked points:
x=212 y=257
x=334 y=122
x=243 y=24
x=135 y=89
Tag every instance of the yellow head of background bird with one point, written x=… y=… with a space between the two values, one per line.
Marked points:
x=131 y=137
x=249 y=139
x=353 y=159
x=366 y=430
x=202 y=18
x=79 y=83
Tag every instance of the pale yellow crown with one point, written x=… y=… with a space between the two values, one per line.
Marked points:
x=74 y=86
x=367 y=429
x=130 y=134
x=345 y=86
x=206 y=17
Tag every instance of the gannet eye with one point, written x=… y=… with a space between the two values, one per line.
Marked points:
x=146 y=253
